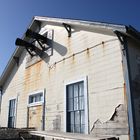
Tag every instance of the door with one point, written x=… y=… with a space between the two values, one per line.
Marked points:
x=36 y=110
x=11 y=116
x=35 y=117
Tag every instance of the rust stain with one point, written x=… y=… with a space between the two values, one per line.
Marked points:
x=32 y=77
x=37 y=75
x=88 y=53
x=32 y=80
x=69 y=45
x=51 y=70
x=103 y=43
x=125 y=97
x=103 y=46
x=35 y=116
x=73 y=58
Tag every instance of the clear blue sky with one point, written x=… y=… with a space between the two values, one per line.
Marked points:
x=15 y=16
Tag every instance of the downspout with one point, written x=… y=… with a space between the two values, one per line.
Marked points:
x=127 y=77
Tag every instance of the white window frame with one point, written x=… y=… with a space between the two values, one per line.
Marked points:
x=66 y=83
x=15 y=113
x=35 y=103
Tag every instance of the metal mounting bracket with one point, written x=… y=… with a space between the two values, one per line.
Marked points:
x=16 y=60
x=1 y=89
x=120 y=37
x=42 y=47
x=41 y=40
x=68 y=28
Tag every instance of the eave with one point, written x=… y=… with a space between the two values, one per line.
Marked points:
x=37 y=22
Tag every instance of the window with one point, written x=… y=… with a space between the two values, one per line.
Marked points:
x=75 y=107
x=36 y=98
x=11 y=117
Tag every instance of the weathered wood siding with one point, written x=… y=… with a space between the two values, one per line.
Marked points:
x=84 y=54
x=134 y=62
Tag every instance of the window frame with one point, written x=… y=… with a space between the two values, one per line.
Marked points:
x=38 y=102
x=66 y=83
x=15 y=108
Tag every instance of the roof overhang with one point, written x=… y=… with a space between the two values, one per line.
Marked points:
x=38 y=22
x=99 y=27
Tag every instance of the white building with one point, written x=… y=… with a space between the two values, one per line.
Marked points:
x=84 y=78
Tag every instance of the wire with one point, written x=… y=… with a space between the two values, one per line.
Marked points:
x=87 y=49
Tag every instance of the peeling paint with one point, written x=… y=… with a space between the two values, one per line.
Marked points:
x=115 y=114
x=116 y=125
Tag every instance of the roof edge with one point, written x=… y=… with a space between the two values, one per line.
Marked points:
x=84 y=23
x=18 y=50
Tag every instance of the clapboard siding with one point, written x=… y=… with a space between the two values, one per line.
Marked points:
x=101 y=63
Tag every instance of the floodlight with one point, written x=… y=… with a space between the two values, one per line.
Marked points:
x=35 y=35
x=20 y=42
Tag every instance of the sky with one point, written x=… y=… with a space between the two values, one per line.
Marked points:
x=16 y=15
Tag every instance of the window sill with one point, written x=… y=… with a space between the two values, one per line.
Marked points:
x=35 y=104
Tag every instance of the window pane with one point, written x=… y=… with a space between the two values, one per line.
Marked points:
x=76 y=103
x=70 y=122
x=72 y=128
x=41 y=95
x=77 y=128
x=36 y=98
x=11 y=113
x=72 y=118
x=70 y=104
x=81 y=89
x=11 y=103
x=81 y=102
x=31 y=99
x=82 y=128
x=70 y=91
x=12 y=107
x=82 y=117
x=77 y=117
x=82 y=122
x=75 y=90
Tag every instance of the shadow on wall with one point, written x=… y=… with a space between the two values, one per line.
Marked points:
x=62 y=50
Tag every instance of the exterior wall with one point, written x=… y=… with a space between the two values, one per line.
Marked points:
x=85 y=54
x=134 y=62
x=13 y=88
